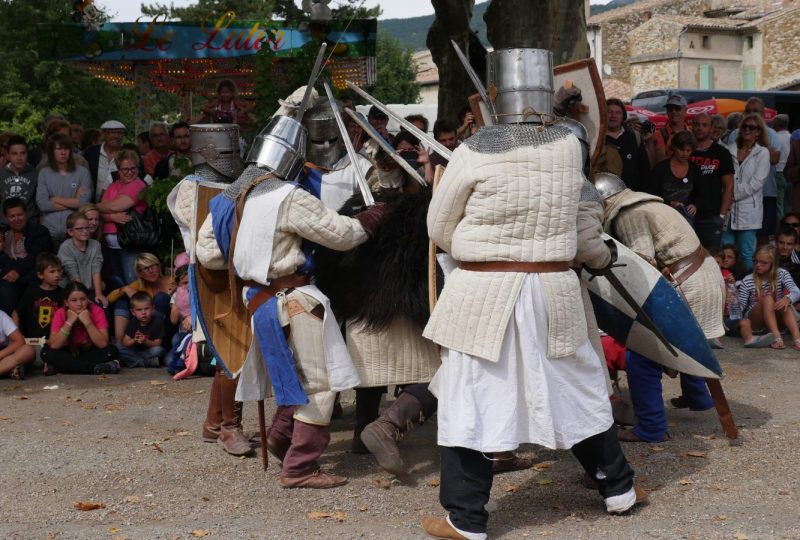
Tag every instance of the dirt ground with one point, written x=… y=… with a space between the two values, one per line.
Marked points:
x=131 y=442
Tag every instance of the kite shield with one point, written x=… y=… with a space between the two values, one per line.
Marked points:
x=584 y=75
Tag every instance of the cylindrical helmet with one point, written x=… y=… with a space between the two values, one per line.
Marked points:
x=322 y=148
x=216 y=145
x=520 y=82
x=608 y=184
x=280 y=147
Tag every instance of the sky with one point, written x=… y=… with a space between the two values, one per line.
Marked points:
x=128 y=10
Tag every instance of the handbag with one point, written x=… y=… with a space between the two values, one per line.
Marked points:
x=143 y=231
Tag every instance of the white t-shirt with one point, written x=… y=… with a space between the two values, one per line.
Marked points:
x=7 y=327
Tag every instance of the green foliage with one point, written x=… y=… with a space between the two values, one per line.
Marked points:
x=397 y=73
x=29 y=89
x=213 y=9
x=156 y=196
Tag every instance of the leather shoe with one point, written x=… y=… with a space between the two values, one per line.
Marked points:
x=629 y=436
x=509 y=461
x=679 y=402
x=440 y=528
x=319 y=479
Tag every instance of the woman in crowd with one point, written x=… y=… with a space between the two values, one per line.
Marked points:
x=62 y=187
x=93 y=217
x=751 y=163
x=151 y=281
x=79 y=337
x=122 y=197
x=766 y=296
x=675 y=178
x=409 y=148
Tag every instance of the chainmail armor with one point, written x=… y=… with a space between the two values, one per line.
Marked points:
x=210 y=174
x=232 y=191
x=589 y=193
x=504 y=137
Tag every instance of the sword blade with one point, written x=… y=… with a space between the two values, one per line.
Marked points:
x=476 y=82
x=311 y=81
x=418 y=133
x=385 y=146
x=351 y=152
x=643 y=317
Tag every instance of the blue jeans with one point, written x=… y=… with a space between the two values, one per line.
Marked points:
x=123 y=271
x=745 y=242
x=141 y=357
x=644 y=383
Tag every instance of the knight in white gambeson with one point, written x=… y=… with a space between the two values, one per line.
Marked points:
x=517 y=363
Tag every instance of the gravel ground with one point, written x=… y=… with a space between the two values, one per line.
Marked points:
x=131 y=442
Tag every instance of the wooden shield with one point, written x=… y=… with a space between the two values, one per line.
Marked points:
x=230 y=336
x=584 y=75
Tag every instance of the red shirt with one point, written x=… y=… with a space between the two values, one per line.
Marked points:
x=79 y=334
x=131 y=189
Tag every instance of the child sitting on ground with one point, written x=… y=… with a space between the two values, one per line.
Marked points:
x=141 y=344
x=785 y=245
x=14 y=352
x=39 y=302
x=731 y=262
x=181 y=317
x=79 y=337
x=82 y=257
x=765 y=295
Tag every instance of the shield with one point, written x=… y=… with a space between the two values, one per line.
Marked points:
x=666 y=308
x=584 y=75
x=230 y=337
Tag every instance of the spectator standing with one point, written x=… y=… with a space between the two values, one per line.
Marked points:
x=101 y=157
x=18 y=178
x=734 y=121
x=751 y=170
x=717 y=127
x=143 y=145
x=409 y=148
x=58 y=127
x=79 y=337
x=675 y=179
x=39 y=302
x=23 y=242
x=444 y=131
x=81 y=257
x=676 y=113
x=120 y=197
x=379 y=120
x=182 y=149
x=781 y=126
x=629 y=144
x=159 y=140
x=141 y=344
x=62 y=186
x=714 y=190
x=76 y=132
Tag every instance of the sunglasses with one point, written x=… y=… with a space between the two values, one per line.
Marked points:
x=750 y=127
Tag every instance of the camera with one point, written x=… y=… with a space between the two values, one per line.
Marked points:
x=648 y=126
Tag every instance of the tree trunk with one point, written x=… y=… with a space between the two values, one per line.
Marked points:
x=557 y=25
x=452 y=22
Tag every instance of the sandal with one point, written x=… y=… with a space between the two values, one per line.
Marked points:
x=760 y=342
x=796 y=345
x=18 y=373
x=778 y=344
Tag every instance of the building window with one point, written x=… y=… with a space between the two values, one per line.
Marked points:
x=706 y=77
x=706 y=42
x=749 y=42
x=749 y=78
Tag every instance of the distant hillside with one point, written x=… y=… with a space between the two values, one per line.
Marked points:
x=413 y=31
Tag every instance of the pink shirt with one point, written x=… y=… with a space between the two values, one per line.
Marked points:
x=131 y=189
x=79 y=334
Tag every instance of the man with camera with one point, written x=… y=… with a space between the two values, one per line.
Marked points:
x=630 y=145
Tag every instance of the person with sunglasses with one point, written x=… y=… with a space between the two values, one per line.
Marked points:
x=676 y=112
x=751 y=170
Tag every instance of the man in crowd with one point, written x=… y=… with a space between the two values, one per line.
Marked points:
x=379 y=120
x=18 y=178
x=159 y=140
x=629 y=144
x=182 y=148
x=781 y=126
x=444 y=131
x=718 y=125
x=676 y=112
x=713 y=195
x=101 y=156
x=76 y=132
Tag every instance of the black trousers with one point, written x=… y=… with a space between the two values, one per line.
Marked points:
x=466 y=477
x=371 y=397
x=82 y=363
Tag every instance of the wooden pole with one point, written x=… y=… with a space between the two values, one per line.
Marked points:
x=723 y=410
x=262 y=433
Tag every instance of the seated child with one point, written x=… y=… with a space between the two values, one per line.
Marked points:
x=82 y=258
x=14 y=352
x=765 y=295
x=785 y=245
x=180 y=316
x=39 y=302
x=79 y=337
x=141 y=344
x=731 y=312
x=731 y=262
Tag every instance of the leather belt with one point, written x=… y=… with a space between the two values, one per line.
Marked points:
x=514 y=266
x=277 y=285
x=688 y=265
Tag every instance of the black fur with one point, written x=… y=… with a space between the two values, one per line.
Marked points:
x=386 y=276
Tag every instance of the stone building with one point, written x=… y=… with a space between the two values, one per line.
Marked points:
x=746 y=44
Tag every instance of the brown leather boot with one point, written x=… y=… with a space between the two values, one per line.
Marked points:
x=382 y=436
x=231 y=438
x=214 y=414
x=509 y=461
x=440 y=528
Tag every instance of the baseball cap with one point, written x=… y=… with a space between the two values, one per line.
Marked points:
x=676 y=99
x=112 y=124
x=375 y=112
